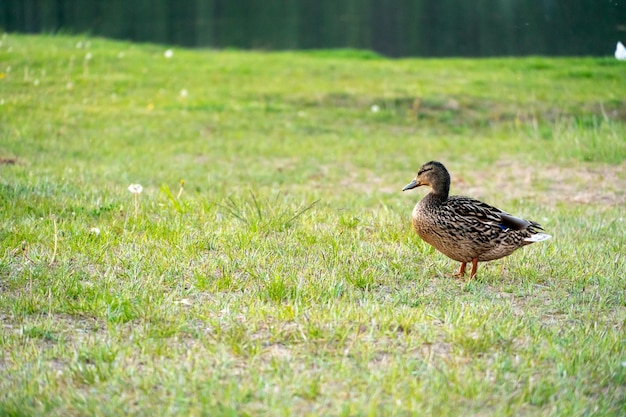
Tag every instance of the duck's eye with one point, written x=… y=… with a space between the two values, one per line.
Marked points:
x=421 y=171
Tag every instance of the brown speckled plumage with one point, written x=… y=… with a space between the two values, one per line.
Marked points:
x=463 y=228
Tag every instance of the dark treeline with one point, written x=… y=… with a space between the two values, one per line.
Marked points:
x=391 y=27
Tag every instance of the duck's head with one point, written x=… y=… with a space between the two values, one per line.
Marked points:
x=432 y=174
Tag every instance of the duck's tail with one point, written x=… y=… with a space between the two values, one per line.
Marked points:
x=537 y=233
x=538 y=237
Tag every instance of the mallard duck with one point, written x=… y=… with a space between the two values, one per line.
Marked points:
x=465 y=229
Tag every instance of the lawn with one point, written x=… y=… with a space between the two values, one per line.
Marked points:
x=269 y=267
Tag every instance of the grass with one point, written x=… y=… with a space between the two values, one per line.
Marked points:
x=282 y=277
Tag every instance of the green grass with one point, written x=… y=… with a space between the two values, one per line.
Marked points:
x=284 y=278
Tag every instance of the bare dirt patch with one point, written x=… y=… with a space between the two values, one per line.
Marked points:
x=8 y=161
x=597 y=184
x=600 y=184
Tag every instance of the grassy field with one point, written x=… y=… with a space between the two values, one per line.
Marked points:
x=269 y=266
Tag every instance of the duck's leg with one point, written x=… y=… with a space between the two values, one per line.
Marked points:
x=474 y=267
x=461 y=270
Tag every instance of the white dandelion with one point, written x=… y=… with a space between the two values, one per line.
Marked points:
x=136 y=189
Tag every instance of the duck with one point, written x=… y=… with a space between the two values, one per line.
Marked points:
x=466 y=229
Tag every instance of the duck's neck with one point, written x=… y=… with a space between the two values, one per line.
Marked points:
x=437 y=198
x=440 y=190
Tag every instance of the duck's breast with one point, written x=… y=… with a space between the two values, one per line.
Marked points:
x=444 y=234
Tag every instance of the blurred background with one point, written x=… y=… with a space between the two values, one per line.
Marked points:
x=395 y=28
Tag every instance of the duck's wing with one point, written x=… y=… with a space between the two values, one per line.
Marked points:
x=476 y=211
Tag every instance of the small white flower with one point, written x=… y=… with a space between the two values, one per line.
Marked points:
x=120 y=55
x=36 y=82
x=1 y=102
x=375 y=108
x=168 y=54
x=135 y=188
x=185 y=302
x=8 y=69
x=88 y=56
x=69 y=85
x=79 y=45
x=184 y=93
x=95 y=231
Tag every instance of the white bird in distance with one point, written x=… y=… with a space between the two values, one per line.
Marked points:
x=620 y=51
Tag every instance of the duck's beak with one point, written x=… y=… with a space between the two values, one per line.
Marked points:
x=411 y=185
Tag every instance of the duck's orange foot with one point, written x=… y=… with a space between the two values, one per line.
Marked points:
x=461 y=271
